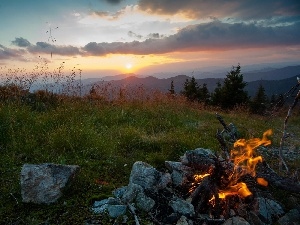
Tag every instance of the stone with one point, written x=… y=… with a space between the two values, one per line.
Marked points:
x=143 y=202
x=131 y=192
x=178 y=178
x=267 y=210
x=110 y=201
x=180 y=173
x=200 y=159
x=112 y=206
x=253 y=219
x=119 y=192
x=165 y=179
x=115 y=211
x=182 y=221
x=182 y=207
x=292 y=217
x=45 y=183
x=144 y=175
x=236 y=221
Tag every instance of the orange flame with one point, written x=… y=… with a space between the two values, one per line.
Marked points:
x=197 y=178
x=243 y=154
x=240 y=189
x=245 y=161
x=261 y=181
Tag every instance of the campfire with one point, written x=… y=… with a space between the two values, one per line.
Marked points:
x=205 y=188
x=222 y=182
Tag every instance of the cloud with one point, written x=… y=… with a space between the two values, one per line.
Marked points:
x=44 y=47
x=210 y=36
x=9 y=53
x=154 y=35
x=21 y=42
x=246 y=9
x=114 y=1
x=134 y=35
x=108 y=16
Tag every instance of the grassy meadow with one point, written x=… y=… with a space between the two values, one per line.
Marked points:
x=105 y=138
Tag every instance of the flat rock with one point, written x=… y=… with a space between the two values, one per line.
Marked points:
x=236 y=221
x=182 y=207
x=144 y=175
x=268 y=210
x=292 y=217
x=200 y=159
x=44 y=183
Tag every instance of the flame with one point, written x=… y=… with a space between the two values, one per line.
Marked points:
x=261 y=181
x=245 y=161
x=243 y=154
x=197 y=179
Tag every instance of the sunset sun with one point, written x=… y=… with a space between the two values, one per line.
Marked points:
x=128 y=66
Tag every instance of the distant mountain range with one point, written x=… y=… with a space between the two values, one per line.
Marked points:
x=272 y=74
x=275 y=81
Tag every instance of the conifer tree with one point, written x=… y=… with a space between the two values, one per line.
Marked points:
x=259 y=102
x=172 y=89
x=190 y=90
x=203 y=94
x=232 y=92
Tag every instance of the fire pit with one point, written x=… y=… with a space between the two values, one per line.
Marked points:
x=204 y=188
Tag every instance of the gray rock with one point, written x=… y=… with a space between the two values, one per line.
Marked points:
x=143 y=202
x=177 y=166
x=110 y=205
x=236 y=221
x=115 y=211
x=100 y=209
x=182 y=207
x=165 y=179
x=200 y=159
x=44 y=183
x=110 y=201
x=180 y=172
x=179 y=178
x=292 y=217
x=253 y=219
x=144 y=175
x=182 y=221
x=119 y=192
x=268 y=210
x=131 y=192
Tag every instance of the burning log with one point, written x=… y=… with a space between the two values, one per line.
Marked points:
x=265 y=175
x=284 y=183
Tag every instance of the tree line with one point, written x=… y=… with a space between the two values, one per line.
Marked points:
x=228 y=95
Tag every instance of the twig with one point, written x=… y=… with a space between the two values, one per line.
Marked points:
x=226 y=128
x=223 y=144
x=14 y=198
x=132 y=210
x=154 y=219
x=281 y=160
x=285 y=96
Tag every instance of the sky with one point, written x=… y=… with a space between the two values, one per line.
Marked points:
x=110 y=37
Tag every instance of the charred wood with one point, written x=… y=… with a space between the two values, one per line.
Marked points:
x=284 y=183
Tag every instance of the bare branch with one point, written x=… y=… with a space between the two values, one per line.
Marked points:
x=284 y=134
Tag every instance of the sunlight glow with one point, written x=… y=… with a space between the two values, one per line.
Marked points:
x=128 y=66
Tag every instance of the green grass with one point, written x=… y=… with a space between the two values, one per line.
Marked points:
x=104 y=139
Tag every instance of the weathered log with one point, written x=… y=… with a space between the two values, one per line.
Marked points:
x=284 y=183
x=223 y=144
x=201 y=194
